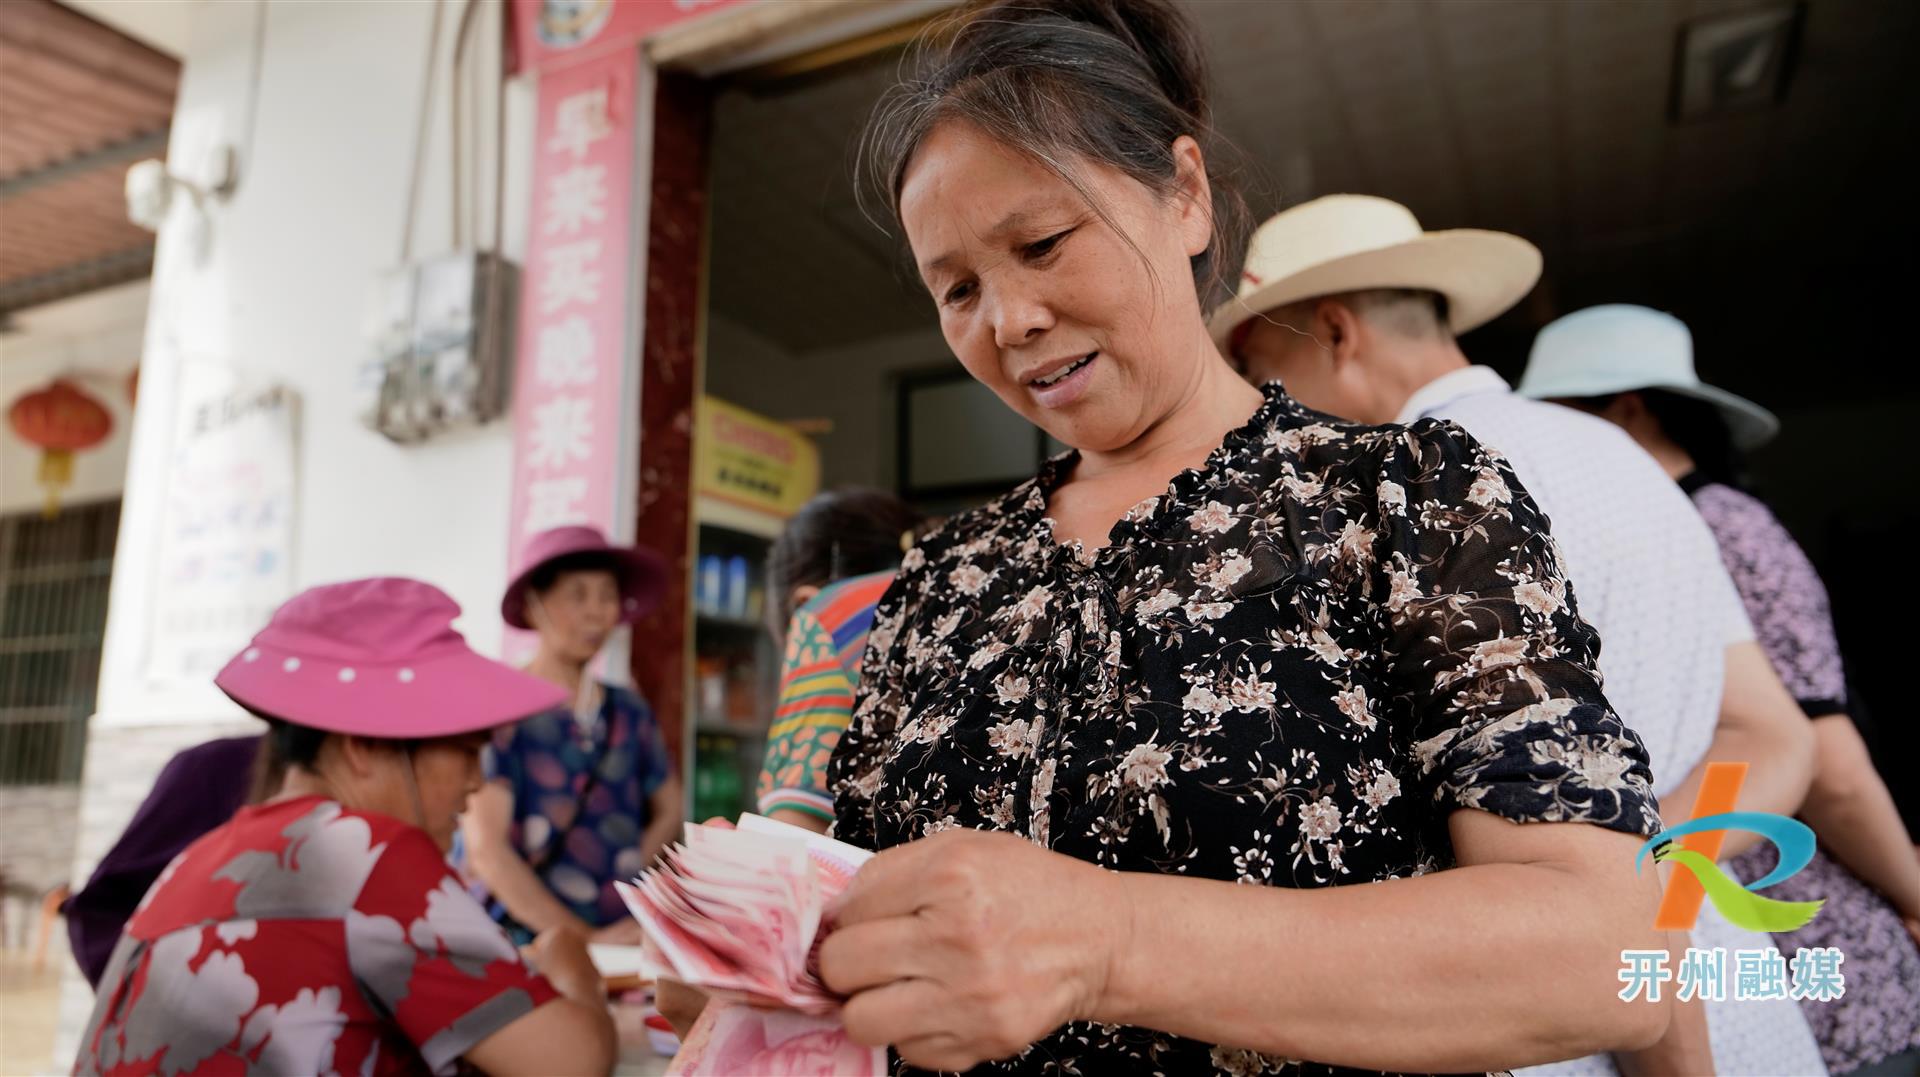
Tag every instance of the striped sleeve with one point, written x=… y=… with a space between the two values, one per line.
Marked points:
x=816 y=702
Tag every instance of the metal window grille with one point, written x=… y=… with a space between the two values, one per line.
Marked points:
x=53 y=614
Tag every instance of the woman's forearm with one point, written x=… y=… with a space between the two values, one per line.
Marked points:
x=1777 y=774
x=666 y=818
x=1484 y=967
x=508 y=876
x=1779 y=768
x=1686 y=1048
x=1853 y=814
x=516 y=886
x=1760 y=725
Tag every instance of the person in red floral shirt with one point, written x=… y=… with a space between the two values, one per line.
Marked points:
x=322 y=931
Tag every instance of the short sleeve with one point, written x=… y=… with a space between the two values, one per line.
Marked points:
x=815 y=705
x=853 y=775
x=1487 y=651
x=427 y=954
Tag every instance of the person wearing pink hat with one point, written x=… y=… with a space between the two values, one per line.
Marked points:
x=321 y=931
x=582 y=795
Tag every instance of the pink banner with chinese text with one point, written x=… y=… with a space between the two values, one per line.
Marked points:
x=569 y=377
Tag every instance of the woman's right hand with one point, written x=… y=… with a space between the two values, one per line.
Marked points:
x=968 y=946
x=679 y=1003
x=622 y=932
x=560 y=954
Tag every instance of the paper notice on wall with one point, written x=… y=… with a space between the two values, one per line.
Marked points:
x=225 y=553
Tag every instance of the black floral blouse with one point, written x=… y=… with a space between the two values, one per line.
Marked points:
x=1286 y=671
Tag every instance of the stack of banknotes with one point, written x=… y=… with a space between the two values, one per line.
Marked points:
x=739 y=913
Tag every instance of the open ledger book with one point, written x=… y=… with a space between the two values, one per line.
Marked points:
x=737 y=913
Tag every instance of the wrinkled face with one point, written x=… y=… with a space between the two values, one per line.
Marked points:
x=577 y=614
x=1044 y=302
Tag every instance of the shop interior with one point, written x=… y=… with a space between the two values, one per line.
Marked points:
x=1722 y=162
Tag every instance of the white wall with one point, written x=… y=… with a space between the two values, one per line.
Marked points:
x=275 y=283
x=94 y=339
x=853 y=386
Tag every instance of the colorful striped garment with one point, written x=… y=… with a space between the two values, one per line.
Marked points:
x=818 y=681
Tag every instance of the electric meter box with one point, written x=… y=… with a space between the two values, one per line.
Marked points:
x=440 y=335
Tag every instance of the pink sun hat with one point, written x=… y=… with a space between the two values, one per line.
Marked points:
x=379 y=658
x=641 y=573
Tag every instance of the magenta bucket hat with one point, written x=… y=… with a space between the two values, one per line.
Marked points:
x=379 y=658
x=642 y=574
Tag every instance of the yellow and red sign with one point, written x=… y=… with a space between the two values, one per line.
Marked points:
x=751 y=461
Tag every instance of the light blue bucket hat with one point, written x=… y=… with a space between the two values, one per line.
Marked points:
x=1621 y=348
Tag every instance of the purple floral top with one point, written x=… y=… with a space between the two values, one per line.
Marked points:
x=1784 y=596
x=1880 y=1013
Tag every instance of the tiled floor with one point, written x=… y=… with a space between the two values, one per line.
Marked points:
x=29 y=1013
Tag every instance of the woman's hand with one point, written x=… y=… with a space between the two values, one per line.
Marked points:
x=560 y=954
x=679 y=1003
x=970 y=945
x=622 y=932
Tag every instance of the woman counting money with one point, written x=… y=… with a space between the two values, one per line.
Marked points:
x=1224 y=640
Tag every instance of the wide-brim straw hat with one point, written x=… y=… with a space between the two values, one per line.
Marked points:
x=1622 y=348
x=1354 y=242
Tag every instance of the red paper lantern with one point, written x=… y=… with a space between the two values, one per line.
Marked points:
x=61 y=420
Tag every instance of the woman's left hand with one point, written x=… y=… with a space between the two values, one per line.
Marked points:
x=970 y=945
x=622 y=932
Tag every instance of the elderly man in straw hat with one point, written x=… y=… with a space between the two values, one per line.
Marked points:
x=1356 y=310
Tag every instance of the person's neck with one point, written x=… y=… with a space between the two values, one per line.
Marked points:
x=305 y=783
x=1214 y=402
x=559 y=670
x=1677 y=462
x=1414 y=365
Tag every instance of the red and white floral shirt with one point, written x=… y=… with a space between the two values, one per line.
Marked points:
x=303 y=937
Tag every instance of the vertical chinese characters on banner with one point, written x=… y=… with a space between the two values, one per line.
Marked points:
x=570 y=375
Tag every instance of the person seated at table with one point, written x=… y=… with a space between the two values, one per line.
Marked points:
x=322 y=931
x=583 y=795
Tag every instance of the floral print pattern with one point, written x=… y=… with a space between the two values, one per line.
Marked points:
x=1287 y=670
x=1782 y=593
x=1880 y=1013
x=545 y=760
x=306 y=938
